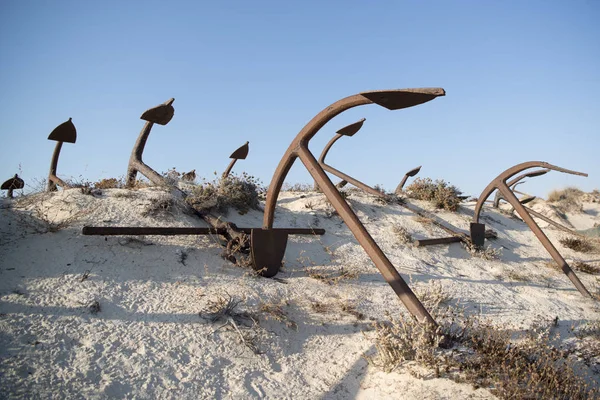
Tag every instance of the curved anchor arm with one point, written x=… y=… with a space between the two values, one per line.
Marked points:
x=515 y=181
x=302 y=139
x=392 y=100
x=503 y=177
x=349 y=130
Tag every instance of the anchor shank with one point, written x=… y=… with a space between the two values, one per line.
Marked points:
x=384 y=265
x=512 y=199
x=51 y=187
x=136 y=154
x=229 y=167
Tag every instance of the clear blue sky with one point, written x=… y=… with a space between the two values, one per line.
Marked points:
x=522 y=81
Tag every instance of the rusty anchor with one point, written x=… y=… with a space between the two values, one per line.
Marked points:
x=513 y=183
x=240 y=154
x=65 y=132
x=409 y=174
x=13 y=183
x=500 y=183
x=268 y=245
x=161 y=115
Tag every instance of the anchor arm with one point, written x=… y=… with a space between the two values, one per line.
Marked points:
x=53 y=166
x=504 y=176
x=537 y=231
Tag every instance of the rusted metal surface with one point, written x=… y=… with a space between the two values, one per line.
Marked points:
x=512 y=184
x=500 y=183
x=553 y=223
x=449 y=239
x=267 y=256
x=436 y=241
x=348 y=130
x=391 y=99
x=172 y=231
x=13 y=183
x=526 y=199
x=65 y=132
x=409 y=174
x=240 y=154
x=341 y=184
x=161 y=115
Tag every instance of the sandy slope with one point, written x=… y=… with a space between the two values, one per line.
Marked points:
x=149 y=341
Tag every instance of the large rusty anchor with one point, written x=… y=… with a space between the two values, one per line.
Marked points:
x=502 y=184
x=512 y=184
x=65 y=132
x=161 y=115
x=268 y=245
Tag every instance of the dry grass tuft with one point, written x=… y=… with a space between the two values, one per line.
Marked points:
x=585 y=267
x=442 y=194
x=276 y=311
x=331 y=278
x=476 y=352
x=225 y=309
x=109 y=183
x=240 y=192
x=402 y=235
x=299 y=187
x=517 y=276
x=566 y=200
x=339 y=306
x=160 y=207
x=577 y=244
x=433 y=295
x=487 y=253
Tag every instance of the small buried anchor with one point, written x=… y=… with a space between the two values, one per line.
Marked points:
x=13 y=183
x=240 y=154
x=410 y=173
x=500 y=183
x=65 y=132
x=161 y=115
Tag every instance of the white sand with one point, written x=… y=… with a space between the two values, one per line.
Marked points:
x=148 y=340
